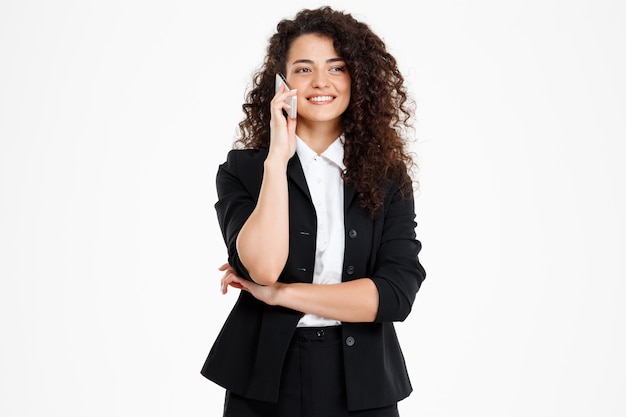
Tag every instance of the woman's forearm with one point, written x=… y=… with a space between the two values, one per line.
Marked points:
x=352 y=301
x=263 y=242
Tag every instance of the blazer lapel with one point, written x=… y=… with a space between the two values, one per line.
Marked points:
x=296 y=175
x=348 y=196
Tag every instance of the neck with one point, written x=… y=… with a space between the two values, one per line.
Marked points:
x=318 y=137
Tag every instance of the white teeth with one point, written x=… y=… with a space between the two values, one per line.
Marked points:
x=321 y=98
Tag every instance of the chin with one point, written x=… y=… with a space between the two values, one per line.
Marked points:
x=317 y=117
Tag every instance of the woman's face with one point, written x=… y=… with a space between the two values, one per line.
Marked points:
x=320 y=75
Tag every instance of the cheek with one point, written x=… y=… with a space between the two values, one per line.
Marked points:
x=346 y=86
x=347 y=91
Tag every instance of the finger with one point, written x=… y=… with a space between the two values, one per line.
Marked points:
x=291 y=126
x=223 y=286
x=279 y=102
x=231 y=279
x=283 y=91
x=233 y=284
x=224 y=282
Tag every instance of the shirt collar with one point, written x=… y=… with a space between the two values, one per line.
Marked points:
x=334 y=152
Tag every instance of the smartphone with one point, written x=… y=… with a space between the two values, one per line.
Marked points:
x=292 y=101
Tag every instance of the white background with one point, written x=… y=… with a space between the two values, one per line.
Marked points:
x=115 y=114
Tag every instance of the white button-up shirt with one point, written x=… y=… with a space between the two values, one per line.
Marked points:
x=323 y=176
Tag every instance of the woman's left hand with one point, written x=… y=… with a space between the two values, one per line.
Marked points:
x=265 y=293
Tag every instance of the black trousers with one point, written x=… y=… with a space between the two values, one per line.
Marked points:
x=312 y=383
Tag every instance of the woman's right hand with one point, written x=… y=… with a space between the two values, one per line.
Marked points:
x=263 y=241
x=264 y=293
x=282 y=129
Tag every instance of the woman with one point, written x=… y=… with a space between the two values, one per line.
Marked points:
x=317 y=214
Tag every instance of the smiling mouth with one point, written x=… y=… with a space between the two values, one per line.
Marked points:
x=321 y=99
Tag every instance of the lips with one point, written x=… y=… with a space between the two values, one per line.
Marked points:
x=321 y=99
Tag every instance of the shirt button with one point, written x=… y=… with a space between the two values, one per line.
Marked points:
x=350 y=341
x=320 y=333
x=352 y=233
x=350 y=270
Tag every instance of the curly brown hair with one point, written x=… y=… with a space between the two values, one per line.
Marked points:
x=378 y=119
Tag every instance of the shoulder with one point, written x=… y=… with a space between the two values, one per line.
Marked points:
x=242 y=167
x=400 y=184
x=245 y=156
x=399 y=197
x=242 y=161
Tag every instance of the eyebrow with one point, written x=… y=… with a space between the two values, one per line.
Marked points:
x=310 y=61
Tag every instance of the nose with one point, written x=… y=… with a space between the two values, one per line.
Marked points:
x=320 y=79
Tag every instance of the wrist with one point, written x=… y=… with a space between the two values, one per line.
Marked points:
x=279 y=294
x=275 y=164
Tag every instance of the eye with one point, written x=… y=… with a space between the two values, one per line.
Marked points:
x=339 y=68
x=302 y=70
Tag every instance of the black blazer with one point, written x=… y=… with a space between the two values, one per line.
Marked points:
x=248 y=354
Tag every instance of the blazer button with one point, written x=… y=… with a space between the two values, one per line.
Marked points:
x=350 y=341
x=350 y=270
x=352 y=233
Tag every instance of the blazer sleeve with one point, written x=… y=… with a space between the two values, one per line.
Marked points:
x=398 y=273
x=238 y=184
